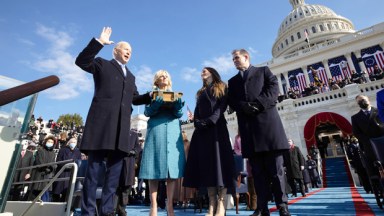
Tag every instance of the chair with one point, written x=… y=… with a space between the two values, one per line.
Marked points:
x=241 y=181
x=377 y=180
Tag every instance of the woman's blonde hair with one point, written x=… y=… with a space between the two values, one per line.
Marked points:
x=160 y=73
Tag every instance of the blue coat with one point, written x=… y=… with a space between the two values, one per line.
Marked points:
x=380 y=103
x=163 y=151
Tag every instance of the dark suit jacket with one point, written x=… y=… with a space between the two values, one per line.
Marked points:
x=108 y=122
x=25 y=161
x=365 y=127
x=127 y=177
x=263 y=132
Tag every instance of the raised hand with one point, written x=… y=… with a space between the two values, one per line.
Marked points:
x=105 y=35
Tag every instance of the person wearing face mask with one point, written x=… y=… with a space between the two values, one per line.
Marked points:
x=67 y=152
x=366 y=125
x=44 y=154
x=25 y=160
x=210 y=161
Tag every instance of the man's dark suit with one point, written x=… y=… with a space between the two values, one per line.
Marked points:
x=365 y=127
x=107 y=127
x=25 y=161
x=263 y=138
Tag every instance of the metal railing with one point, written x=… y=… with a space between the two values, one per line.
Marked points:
x=72 y=179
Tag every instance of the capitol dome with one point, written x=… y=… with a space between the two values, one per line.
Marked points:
x=321 y=23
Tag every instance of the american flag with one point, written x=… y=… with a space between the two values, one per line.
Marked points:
x=371 y=56
x=297 y=80
x=336 y=71
x=189 y=114
x=341 y=62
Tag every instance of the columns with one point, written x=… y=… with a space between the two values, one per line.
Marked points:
x=350 y=62
x=280 y=84
x=327 y=71
x=286 y=80
x=305 y=72
x=361 y=63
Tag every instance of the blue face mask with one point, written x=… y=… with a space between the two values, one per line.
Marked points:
x=49 y=145
x=72 y=145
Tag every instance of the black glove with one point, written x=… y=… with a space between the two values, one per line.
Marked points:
x=201 y=123
x=131 y=153
x=250 y=109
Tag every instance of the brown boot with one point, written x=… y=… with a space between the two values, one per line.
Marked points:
x=212 y=191
x=220 y=211
x=252 y=194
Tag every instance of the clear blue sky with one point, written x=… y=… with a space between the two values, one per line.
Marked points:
x=41 y=38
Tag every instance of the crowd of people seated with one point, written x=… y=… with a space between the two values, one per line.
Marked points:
x=318 y=86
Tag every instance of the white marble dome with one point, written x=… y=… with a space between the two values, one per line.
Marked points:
x=322 y=25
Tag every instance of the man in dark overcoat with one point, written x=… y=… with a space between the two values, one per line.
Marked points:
x=366 y=124
x=26 y=160
x=253 y=95
x=294 y=163
x=106 y=133
x=127 y=177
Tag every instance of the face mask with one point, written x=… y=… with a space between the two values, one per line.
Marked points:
x=363 y=104
x=49 y=145
x=72 y=145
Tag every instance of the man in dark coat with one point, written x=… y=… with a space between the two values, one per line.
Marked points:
x=311 y=165
x=127 y=177
x=106 y=132
x=253 y=95
x=366 y=124
x=26 y=160
x=294 y=163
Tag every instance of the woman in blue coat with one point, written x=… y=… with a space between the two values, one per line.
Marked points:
x=210 y=160
x=163 y=154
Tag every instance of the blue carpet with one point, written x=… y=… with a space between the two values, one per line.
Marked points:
x=335 y=172
x=320 y=202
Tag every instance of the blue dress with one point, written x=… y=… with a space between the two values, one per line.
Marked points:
x=163 y=154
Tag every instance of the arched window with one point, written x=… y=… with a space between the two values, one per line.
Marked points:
x=298 y=35
x=286 y=41
x=329 y=27
x=292 y=38
x=313 y=29
x=321 y=28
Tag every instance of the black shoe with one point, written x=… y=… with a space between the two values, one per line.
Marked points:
x=260 y=212
x=283 y=211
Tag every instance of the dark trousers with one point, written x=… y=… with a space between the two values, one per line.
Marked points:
x=292 y=184
x=111 y=181
x=268 y=175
